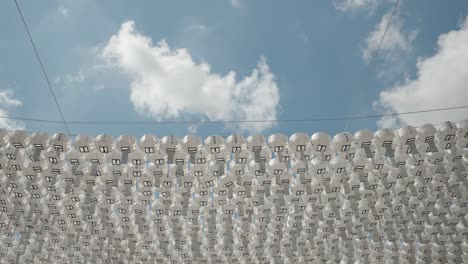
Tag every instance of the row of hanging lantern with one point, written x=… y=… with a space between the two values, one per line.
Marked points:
x=389 y=196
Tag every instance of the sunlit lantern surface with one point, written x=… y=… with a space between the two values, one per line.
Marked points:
x=390 y=196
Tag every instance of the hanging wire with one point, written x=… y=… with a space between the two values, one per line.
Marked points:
x=42 y=67
x=65 y=123
x=305 y=120
x=388 y=25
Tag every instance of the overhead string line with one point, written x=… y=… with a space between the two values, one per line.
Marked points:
x=43 y=70
x=388 y=25
x=305 y=120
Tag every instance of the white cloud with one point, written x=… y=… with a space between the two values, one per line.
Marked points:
x=63 y=11
x=198 y=28
x=98 y=87
x=396 y=43
x=79 y=77
x=354 y=5
x=235 y=3
x=442 y=81
x=6 y=102
x=167 y=83
x=388 y=122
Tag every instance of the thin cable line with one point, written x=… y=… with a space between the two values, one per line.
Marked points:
x=237 y=121
x=42 y=66
x=388 y=25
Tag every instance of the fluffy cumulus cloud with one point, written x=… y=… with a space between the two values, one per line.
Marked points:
x=398 y=41
x=7 y=102
x=441 y=81
x=168 y=83
x=396 y=44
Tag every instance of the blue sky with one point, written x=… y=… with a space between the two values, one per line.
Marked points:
x=226 y=60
